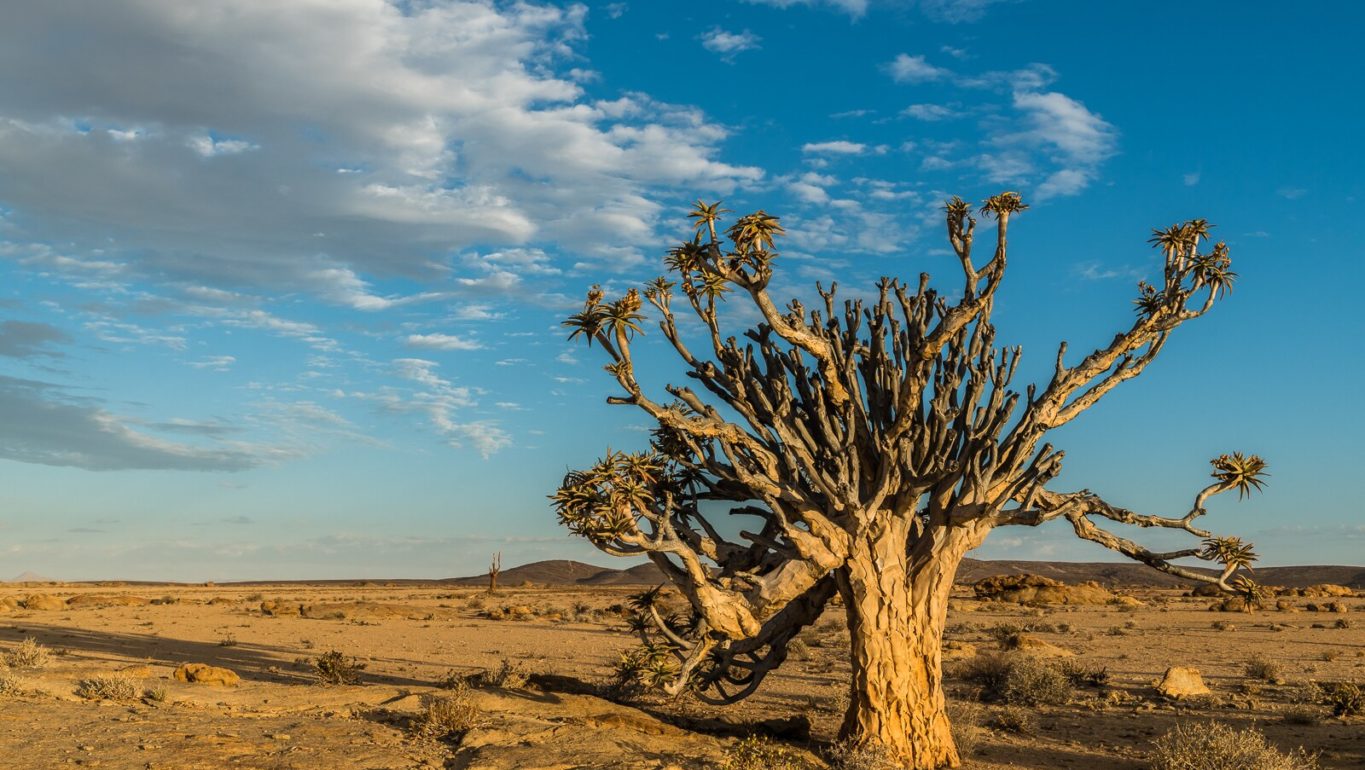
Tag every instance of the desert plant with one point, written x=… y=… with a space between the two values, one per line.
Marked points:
x=1013 y=719
x=507 y=675
x=107 y=687
x=1080 y=675
x=1301 y=715
x=1016 y=679
x=1263 y=668
x=449 y=715
x=333 y=668
x=10 y=683
x=494 y=569
x=852 y=756
x=1344 y=698
x=757 y=752
x=29 y=654
x=1215 y=746
x=874 y=444
x=154 y=694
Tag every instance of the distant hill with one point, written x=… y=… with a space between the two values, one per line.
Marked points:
x=31 y=577
x=565 y=572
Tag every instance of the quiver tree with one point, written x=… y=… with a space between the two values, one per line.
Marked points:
x=494 y=569
x=870 y=444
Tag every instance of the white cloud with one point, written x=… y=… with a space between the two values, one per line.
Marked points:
x=914 y=69
x=956 y=11
x=1074 y=141
x=1291 y=193
x=837 y=147
x=457 y=123
x=727 y=44
x=854 y=8
x=215 y=363
x=442 y=342
x=1191 y=179
x=929 y=112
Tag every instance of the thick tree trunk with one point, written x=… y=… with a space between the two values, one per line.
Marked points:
x=897 y=606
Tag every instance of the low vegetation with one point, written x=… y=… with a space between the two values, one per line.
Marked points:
x=29 y=654
x=449 y=715
x=334 y=668
x=116 y=687
x=1215 y=746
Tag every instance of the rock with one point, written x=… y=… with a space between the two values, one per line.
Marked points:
x=1127 y=601
x=202 y=673
x=44 y=602
x=1327 y=590
x=1035 y=589
x=279 y=607
x=956 y=650
x=1284 y=605
x=1206 y=590
x=1233 y=604
x=84 y=601
x=1039 y=648
x=1182 y=682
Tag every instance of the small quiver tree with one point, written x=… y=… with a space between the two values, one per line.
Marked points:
x=494 y=569
x=871 y=444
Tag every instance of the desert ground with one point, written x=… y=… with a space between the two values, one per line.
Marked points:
x=540 y=658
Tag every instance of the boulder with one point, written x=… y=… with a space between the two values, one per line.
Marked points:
x=1182 y=682
x=202 y=673
x=44 y=602
x=1038 y=647
x=95 y=600
x=957 y=650
x=1327 y=590
x=278 y=607
x=1036 y=589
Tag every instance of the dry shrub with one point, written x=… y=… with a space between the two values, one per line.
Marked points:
x=1013 y=719
x=449 y=715
x=107 y=687
x=798 y=650
x=849 y=756
x=507 y=675
x=1263 y=668
x=1345 y=698
x=1223 y=625
x=333 y=668
x=154 y=694
x=1342 y=623
x=1080 y=675
x=1020 y=680
x=1215 y=746
x=1301 y=715
x=29 y=654
x=10 y=684
x=965 y=720
x=759 y=753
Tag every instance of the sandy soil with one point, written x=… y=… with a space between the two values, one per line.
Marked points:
x=412 y=638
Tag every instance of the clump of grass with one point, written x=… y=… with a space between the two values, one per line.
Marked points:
x=1017 y=680
x=29 y=654
x=154 y=694
x=10 y=684
x=1264 y=669
x=449 y=715
x=1301 y=715
x=759 y=753
x=507 y=675
x=1345 y=698
x=1216 y=746
x=333 y=668
x=1013 y=719
x=228 y=641
x=965 y=724
x=1079 y=675
x=798 y=650
x=848 y=756
x=1223 y=625
x=107 y=687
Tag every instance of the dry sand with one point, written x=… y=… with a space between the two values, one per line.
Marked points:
x=413 y=637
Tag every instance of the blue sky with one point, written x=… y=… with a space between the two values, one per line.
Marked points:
x=280 y=284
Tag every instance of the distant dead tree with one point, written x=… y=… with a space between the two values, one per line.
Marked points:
x=872 y=444
x=494 y=569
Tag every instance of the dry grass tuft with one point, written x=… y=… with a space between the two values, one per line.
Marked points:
x=847 y=756
x=1215 y=746
x=507 y=675
x=1020 y=680
x=333 y=668
x=759 y=753
x=1263 y=668
x=29 y=654
x=449 y=715
x=107 y=687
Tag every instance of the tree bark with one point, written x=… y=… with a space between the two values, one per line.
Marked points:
x=896 y=606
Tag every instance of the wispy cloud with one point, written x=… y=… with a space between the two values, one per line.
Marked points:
x=442 y=342
x=728 y=44
x=915 y=69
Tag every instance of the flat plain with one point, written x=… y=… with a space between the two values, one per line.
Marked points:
x=542 y=656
